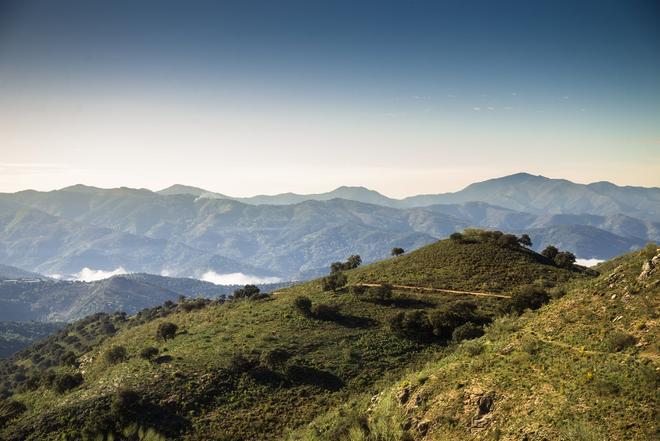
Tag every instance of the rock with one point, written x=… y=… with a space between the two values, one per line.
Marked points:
x=648 y=269
x=485 y=403
x=403 y=395
x=423 y=427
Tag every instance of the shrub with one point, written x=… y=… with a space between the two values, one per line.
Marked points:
x=619 y=341
x=467 y=331
x=10 y=409
x=397 y=251
x=508 y=240
x=334 y=281
x=445 y=320
x=166 y=330
x=525 y=240
x=380 y=294
x=115 y=355
x=303 y=305
x=149 y=353
x=456 y=237
x=126 y=405
x=246 y=292
x=325 y=312
x=67 y=382
x=413 y=324
x=528 y=297
x=550 y=252
x=351 y=263
x=564 y=259
x=69 y=359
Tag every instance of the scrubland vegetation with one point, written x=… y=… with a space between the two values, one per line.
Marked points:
x=345 y=361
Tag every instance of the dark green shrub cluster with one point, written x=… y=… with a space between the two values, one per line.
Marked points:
x=325 y=312
x=66 y=382
x=397 y=251
x=116 y=354
x=248 y=291
x=166 y=331
x=460 y=318
x=303 y=305
x=10 y=409
x=378 y=294
x=149 y=353
x=334 y=281
x=562 y=259
x=351 y=263
x=528 y=297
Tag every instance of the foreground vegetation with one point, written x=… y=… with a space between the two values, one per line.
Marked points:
x=348 y=362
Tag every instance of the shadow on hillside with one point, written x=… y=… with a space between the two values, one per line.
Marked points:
x=406 y=302
x=354 y=321
x=300 y=375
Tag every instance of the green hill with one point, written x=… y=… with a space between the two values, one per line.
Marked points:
x=259 y=368
x=584 y=367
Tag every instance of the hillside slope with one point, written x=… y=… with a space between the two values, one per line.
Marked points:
x=584 y=367
x=244 y=369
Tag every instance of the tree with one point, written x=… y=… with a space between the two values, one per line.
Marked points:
x=528 y=297
x=115 y=354
x=334 y=281
x=246 y=292
x=381 y=293
x=525 y=240
x=353 y=261
x=336 y=267
x=456 y=237
x=550 y=252
x=397 y=251
x=166 y=330
x=565 y=259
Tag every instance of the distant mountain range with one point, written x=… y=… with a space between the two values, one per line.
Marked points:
x=188 y=231
x=521 y=192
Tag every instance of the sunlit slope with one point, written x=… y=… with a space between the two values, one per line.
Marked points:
x=584 y=367
x=253 y=369
x=464 y=265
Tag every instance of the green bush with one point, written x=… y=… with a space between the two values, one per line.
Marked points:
x=10 y=409
x=528 y=297
x=246 y=292
x=126 y=405
x=115 y=355
x=67 y=382
x=325 y=312
x=303 y=305
x=166 y=330
x=334 y=281
x=149 y=353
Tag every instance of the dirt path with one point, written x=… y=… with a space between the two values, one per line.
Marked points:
x=450 y=291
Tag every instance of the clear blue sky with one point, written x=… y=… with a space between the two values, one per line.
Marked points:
x=248 y=97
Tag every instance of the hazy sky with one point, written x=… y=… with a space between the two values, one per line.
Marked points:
x=246 y=97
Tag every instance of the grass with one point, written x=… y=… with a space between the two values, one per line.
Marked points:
x=554 y=373
x=198 y=391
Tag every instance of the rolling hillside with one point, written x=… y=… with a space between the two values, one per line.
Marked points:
x=584 y=367
x=254 y=368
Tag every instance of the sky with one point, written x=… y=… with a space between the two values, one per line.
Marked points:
x=262 y=97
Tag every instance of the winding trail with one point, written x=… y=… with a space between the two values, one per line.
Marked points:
x=440 y=290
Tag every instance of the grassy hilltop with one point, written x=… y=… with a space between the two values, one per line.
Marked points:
x=304 y=363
